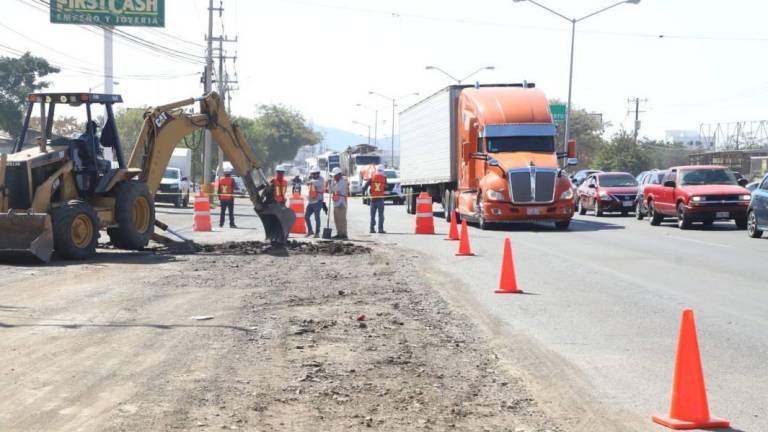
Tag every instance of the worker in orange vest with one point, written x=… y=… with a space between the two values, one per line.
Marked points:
x=280 y=184
x=227 y=201
x=377 y=183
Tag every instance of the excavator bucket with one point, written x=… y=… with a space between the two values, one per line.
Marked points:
x=278 y=221
x=25 y=235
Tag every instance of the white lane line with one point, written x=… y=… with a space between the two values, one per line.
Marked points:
x=699 y=241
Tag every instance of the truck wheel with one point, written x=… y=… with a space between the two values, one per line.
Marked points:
x=598 y=210
x=741 y=221
x=752 y=229
x=582 y=210
x=135 y=216
x=411 y=201
x=177 y=201
x=75 y=230
x=639 y=210
x=186 y=200
x=683 y=220
x=654 y=217
x=562 y=225
x=447 y=205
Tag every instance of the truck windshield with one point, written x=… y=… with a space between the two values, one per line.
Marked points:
x=366 y=160
x=540 y=144
x=391 y=174
x=616 y=180
x=171 y=174
x=707 y=176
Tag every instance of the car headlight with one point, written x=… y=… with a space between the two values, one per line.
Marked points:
x=697 y=199
x=604 y=194
x=567 y=194
x=745 y=197
x=494 y=195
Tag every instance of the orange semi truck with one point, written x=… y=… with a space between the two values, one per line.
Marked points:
x=487 y=151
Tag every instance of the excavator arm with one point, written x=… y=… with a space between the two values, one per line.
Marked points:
x=164 y=126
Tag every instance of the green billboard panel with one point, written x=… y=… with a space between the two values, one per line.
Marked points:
x=138 y=13
x=558 y=112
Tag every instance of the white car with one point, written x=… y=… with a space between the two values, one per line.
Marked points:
x=394 y=191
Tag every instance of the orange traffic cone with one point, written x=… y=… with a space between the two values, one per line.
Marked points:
x=689 y=408
x=453 y=232
x=201 y=221
x=296 y=202
x=508 y=281
x=424 y=219
x=464 y=249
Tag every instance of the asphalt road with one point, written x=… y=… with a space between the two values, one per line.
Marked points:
x=598 y=325
x=605 y=300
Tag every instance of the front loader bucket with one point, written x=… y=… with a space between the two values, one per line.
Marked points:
x=26 y=234
x=278 y=221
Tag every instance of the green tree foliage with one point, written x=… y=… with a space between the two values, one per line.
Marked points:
x=664 y=155
x=622 y=154
x=66 y=126
x=587 y=131
x=280 y=132
x=19 y=77
x=129 y=122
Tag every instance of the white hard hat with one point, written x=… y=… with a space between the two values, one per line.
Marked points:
x=336 y=171
x=279 y=168
x=314 y=170
x=380 y=168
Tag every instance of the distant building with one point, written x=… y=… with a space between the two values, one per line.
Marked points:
x=689 y=138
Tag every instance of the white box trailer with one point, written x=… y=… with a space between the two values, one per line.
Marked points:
x=427 y=144
x=182 y=159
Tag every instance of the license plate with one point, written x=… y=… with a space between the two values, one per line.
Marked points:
x=533 y=211
x=627 y=203
x=722 y=214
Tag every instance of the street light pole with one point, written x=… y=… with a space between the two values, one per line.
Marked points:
x=364 y=125
x=459 y=81
x=375 y=122
x=394 y=104
x=573 y=22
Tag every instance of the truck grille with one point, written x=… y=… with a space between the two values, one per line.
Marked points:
x=532 y=185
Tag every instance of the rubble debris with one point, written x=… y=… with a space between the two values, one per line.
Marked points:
x=292 y=247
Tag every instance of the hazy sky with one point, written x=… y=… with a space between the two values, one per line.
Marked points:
x=323 y=56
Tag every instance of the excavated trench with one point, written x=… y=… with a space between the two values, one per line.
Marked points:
x=293 y=247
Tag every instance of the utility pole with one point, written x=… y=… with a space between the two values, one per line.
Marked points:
x=223 y=83
x=108 y=65
x=208 y=146
x=637 y=112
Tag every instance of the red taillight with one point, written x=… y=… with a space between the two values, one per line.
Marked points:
x=32 y=98
x=83 y=98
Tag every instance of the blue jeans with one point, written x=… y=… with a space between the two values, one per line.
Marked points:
x=313 y=208
x=377 y=205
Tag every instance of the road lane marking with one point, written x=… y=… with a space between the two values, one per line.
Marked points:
x=699 y=241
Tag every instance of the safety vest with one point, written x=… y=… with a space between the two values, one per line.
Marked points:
x=226 y=186
x=336 y=196
x=378 y=185
x=281 y=186
x=312 y=191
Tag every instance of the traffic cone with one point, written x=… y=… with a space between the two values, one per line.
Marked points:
x=689 y=408
x=508 y=280
x=464 y=249
x=296 y=203
x=453 y=232
x=201 y=219
x=424 y=219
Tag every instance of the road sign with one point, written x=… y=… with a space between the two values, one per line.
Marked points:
x=137 y=13
x=558 y=112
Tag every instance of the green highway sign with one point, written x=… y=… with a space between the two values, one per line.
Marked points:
x=139 y=13
x=558 y=112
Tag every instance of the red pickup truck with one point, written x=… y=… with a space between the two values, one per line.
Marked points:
x=698 y=194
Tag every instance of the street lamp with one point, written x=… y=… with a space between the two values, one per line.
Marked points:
x=364 y=125
x=573 y=22
x=459 y=81
x=375 y=122
x=394 y=104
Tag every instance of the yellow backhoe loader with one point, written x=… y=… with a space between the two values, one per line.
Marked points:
x=57 y=195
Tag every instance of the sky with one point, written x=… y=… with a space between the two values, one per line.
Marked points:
x=323 y=57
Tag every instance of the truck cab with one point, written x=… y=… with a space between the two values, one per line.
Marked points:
x=508 y=167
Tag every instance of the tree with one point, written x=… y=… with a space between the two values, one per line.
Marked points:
x=19 y=77
x=66 y=126
x=622 y=154
x=129 y=122
x=587 y=131
x=664 y=155
x=280 y=131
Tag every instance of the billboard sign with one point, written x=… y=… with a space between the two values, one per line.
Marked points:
x=558 y=112
x=137 y=13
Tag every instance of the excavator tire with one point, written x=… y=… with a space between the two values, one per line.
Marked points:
x=135 y=216
x=75 y=230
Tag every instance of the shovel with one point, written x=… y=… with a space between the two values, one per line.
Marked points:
x=327 y=230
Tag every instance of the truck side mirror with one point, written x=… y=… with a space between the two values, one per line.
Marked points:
x=669 y=183
x=466 y=150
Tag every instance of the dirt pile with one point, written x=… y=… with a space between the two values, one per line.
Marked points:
x=293 y=247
